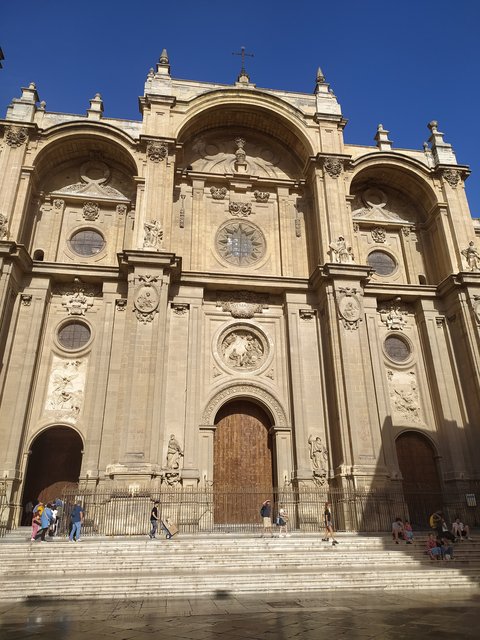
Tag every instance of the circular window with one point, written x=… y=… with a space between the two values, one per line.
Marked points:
x=382 y=262
x=397 y=348
x=87 y=242
x=240 y=243
x=74 y=335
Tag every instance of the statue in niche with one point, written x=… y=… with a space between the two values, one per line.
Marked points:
x=472 y=256
x=341 y=252
x=174 y=453
x=319 y=458
x=153 y=234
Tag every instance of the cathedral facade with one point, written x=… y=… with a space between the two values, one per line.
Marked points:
x=225 y=292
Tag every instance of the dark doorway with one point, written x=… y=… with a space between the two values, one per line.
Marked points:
x=54 y=465
x=421 y=483
x=242 y=462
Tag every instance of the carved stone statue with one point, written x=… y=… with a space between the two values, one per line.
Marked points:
x=472 y=256
x=341 y=252
x=174 y=453
x=153 y=234
x=319 y=458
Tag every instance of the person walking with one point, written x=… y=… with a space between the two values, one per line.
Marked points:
x=154 y=520
x=266 y=513
x=282 y=522
x=327 y=517
x=76 y=521
x=46 y=518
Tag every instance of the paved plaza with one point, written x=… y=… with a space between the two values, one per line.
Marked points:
x=381 y=615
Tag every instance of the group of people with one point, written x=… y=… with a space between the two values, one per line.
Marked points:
x=282 y=522
x=45 y=520
x=439 y=543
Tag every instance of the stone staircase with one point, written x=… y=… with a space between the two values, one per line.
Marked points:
x=188 y=566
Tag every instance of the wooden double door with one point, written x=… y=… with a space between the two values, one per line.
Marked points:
x=242 y=462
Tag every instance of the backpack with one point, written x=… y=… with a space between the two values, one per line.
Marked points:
x=263 y=511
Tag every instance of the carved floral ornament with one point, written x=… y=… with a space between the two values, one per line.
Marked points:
x=218 y=193
x=16 y=136
x=261 y=196
x=349 y=307
x=157 y=151
x=240 y=209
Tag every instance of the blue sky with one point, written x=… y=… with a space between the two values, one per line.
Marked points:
x=400 y=63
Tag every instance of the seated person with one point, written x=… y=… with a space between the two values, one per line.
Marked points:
x=434 y=549
x=408 y=532
x=460 y=530
x=397 y=530
x=447 y=550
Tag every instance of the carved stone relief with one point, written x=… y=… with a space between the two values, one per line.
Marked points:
x=153 y=235
x=452 y=176
x=157 y=151
x=240 y=155
x=146 y=300
x=379 y=235
x=404 y=397
x=261 y=196
x=307 y=314
x=218 y=193
x=243 y=349
x=245 y=390
x=16 y=136
x=180 y=308
x=26 y=299
x=3 y=226
x=90 y=211
x=121 y=304
x=349 y=307
x=94 y=175
x=393 y=315
x=476 y=308
x=240 y=209
x=121 y=209
x=333 y=166
x=77 y=297
x=58 y=204
x=319 y=458
x=66 y=388
x=242 y=304
x=240 y=243
x=374 y=204
x=472 y=257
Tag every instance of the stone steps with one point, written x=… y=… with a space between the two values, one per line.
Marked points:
x=202 y=565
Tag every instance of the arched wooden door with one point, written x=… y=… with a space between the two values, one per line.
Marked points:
x=242 y=462
x=421 y=483
x=53 y=466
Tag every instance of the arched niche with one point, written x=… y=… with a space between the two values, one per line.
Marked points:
x=53 y=465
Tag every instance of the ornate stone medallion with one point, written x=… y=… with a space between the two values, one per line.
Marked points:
x=240 y=243
x=243 y=348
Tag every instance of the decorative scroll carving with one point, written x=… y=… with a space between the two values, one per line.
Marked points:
x=65 y=388
x=349 y=308
x=404 y=395
x=307 y=314
x=333 y=166
x=261 y=196
x=153 y=235
x=26 y=299
x=58 y=204
x=78 y=297
x=319 y=458
x=243 y=304
x=472 y=256
x=174 y=453
x=3 y=226
x=16 y=136
x=245 y=390
x=341 y=252
x=172 y=478
x=240 y=209
x=393 y=316
x=218 y=193
x=121 y=209
x=157 y=151
x=90 y=211
x=243 y=349
x=121 y=304
x=146 y=300
x=180 y=308
x=452 y=176
x=379 y=235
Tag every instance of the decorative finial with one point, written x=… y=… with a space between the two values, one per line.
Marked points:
x=163 y=65
x=96 y=107
x=32 y=86
x=320 y=76
x=243 y=76
x=442 y=151
x=151 y=73
x=163 y=60
x=383 y=143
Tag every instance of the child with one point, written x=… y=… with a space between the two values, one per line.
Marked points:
x=408 y=532
x=433 y=550
x=282 y=523
x=397 y=530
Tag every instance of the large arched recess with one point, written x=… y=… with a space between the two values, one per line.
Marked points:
x=417 y=460
x=53 y=465
x=252 y=110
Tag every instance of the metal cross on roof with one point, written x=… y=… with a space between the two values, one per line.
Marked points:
x=242 y=53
